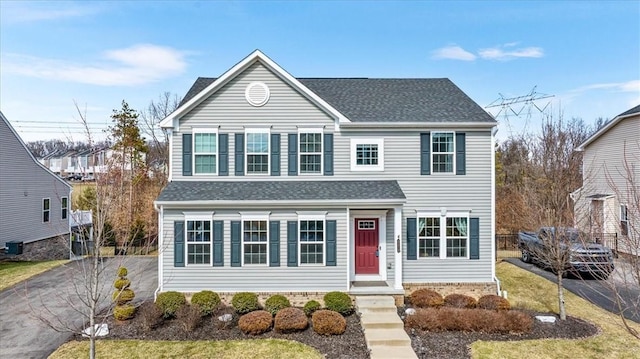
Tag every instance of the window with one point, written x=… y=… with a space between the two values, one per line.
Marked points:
x=443 y=235
x=64 y=203
x=624 y=220
x=46 y=209
x=257 y=151
x=310 y=152
x=199 y=242
x=311 y=241
x=367 y=154
x=205 y=152
x=442 y=149
x=254 y=241
x=366 y=224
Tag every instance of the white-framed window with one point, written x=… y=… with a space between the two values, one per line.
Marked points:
x=64 y=206
x=311 y=240
x=442 y=152
x=198 y=237
x=46 y=209
x=443 y=235
x=367 y=154
x=257 y=148
x=255 y=239
x=366 y=224
x=624 y=220
x=310 y=151
x=205 y=151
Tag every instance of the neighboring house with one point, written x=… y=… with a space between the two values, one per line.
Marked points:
x=35 y=203
x=608 y=204
x=283 y=184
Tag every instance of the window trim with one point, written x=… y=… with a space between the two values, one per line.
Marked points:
x=433 y=153
x=254 y=217
x=443 y=215
x=379 y=141
x=321 y=153
x=198 y=216
x=313 y=217
x=247 y=131
x=624 y=218
x=195 y=131
x=46 y=211
x=64 y=207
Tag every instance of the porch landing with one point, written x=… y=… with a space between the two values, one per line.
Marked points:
x=373 y=288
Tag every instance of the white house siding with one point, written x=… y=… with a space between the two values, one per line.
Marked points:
x=193 y=278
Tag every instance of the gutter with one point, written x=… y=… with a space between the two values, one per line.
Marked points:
x=415 y=125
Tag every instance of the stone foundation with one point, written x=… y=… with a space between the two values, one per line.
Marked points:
x=45 y=249
x=297 y=299
x=475 y=290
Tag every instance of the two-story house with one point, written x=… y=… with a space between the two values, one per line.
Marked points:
x=284 y=184
x=608 y=204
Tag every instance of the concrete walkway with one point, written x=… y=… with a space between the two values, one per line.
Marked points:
x=383 y=328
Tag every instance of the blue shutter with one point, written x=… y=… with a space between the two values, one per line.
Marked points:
x=275 y=154
x=223 y=152
x=186 y=154
x=474 y=238
x=331 y=243
x=328 y=154
x=218 y=243
x=178 y=244
x=412 y=242
x=235 y=244
x=460 y=153
x=274 y=244
x=293 y=154
x=292 y=243
x=425 y=153
x=239 y=154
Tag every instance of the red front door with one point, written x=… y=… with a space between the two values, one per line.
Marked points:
x=366 y=238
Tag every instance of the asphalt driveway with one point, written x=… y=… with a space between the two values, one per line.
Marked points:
x=598 y=292
x=49 y=295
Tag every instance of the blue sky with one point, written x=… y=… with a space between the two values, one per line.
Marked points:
x=586 y=54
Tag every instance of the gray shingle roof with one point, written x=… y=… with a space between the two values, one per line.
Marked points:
x=388 y=100
x=280 y=191
x=631 y=111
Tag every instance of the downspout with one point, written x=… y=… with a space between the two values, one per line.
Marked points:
x=160 y=211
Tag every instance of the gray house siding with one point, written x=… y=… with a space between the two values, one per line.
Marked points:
x=24 y=183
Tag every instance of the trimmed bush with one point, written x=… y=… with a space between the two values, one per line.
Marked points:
x=189 y=317
x=276 y=302
x=207 y=301
x=469 y=320
x=124 y=312
x=289 y=320
x=150 y=314
x=493 y=302
x=311 y=307
x=123 y=296
x=338 y=302
x=460 y=301
x=245 y=302
x=122 y=283
x=170 y=302
x=425 y=298
x=122 y=272
x=328 y=322
x=256 y=322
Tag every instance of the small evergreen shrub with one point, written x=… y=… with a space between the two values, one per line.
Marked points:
x=338 y=302
x=289 y=320
x=311 y=306
x=245 y=302
x=170 y=302
x=256 y=322
x=151 y=315
x=276 y=302
x=189 y=317
x=122 y=272
x=123 y=296
x=328 y=322
x=207 y=301
x=493 y=302
x=459 y=301
x=424 y=298
x=124 y=312
x=121 y=283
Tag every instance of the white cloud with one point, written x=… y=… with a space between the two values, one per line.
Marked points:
x=629 y=86
x=135 y=65
x=500 y=53
x=17 y=12
x=453 y=52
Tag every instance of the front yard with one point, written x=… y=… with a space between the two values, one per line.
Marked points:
x=16 y=272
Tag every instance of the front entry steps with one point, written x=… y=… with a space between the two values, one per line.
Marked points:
x=383 y=328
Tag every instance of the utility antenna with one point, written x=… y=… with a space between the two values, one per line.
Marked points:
x=515 y=106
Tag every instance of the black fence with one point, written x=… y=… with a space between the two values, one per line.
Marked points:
x=507 y=244
x=128 y=250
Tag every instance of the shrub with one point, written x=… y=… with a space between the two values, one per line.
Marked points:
x=123 y=296
x=493 y=302
x=469 y=320
x=124 y=312
x=245 y=302
x=424 y=298
x=189 y=317
x=122 y=283
x=170 y=302
x=256 y=322
x=276 y=302
x=338 y=302
x=206 y=300
x=122 y=272
x=328 y=322
x=150 y=314
x=459 y=301
x=311 y=307
x=290 y=320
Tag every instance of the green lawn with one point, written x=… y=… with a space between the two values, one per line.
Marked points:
x=528 y=290
x=15 y=272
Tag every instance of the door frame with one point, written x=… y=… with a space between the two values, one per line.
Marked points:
x=381 y=215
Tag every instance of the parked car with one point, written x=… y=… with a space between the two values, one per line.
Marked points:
x=580 y=255
x=74 y=177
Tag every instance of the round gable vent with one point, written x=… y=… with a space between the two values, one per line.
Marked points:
x=257 y=94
